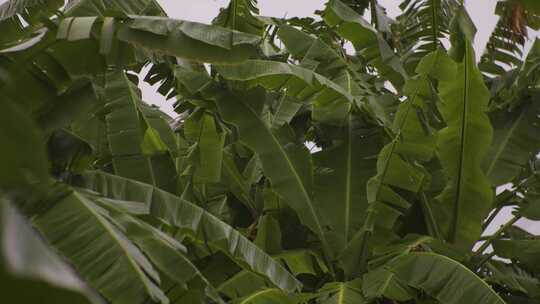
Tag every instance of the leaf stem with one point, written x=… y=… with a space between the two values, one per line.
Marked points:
x=431 y=223
x=485 y=259
x=374 y=17
x=496 y=235
x=491 y=217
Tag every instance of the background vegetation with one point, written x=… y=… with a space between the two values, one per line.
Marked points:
x=105 y=199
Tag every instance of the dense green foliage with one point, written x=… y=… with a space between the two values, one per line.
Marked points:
x=106 y=199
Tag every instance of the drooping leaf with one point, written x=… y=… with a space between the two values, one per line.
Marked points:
x=28 y=264
x=193 y=221
x=300 y=83
x=395 y=166
x=83 y=232
x=80 y=8
x=443 y=279
x=210 y=146
x=166 y=254
x=189 y=40
x=324 y=59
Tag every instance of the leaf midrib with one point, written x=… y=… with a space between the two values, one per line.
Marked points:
x=297 y=179
x=463 y=135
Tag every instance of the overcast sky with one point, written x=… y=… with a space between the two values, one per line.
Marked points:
x=205 y=10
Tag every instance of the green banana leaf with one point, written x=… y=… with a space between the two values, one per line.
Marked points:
x=31 y=11
x=144 y=199
x=340 y=179
x=101 y=253
x=444 y=279
x=24 y=160
x=381 y=283
x=137 y=149
x=516 y=139
x=342 y=293
x=467 y=198
x=514 y=278
x=330 y=101
x=286 y=108
x=243 y=284
x=524 y=251
x=28 y=264
x=239 y=15
x=79 y=8
x=324 y=59
x=288 y=166
x=166 y=253
x=268 y=296
x=189 y=40
x=11 y=8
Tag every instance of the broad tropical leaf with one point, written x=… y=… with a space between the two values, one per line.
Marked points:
x=239 y=15
x=189 y=40
x=83 y=232
x=524 y=251
x=28 y=264
x=442 y=278
x=516 y=139
x=243 y=284
x=384 y=283
x=467 y=198
x=342 y=293
x=24 y=158
x=514 y=278
x=268 y=296
x=292 y=171
x=137 y=149
x=166 y=254
x=288 y=166
x=324 y=59
x=81 y=8
x=298 y=82
x=411 y=141
x=340 y=179
x=193 y=221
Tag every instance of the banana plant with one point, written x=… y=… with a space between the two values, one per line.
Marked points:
x=292 y=170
